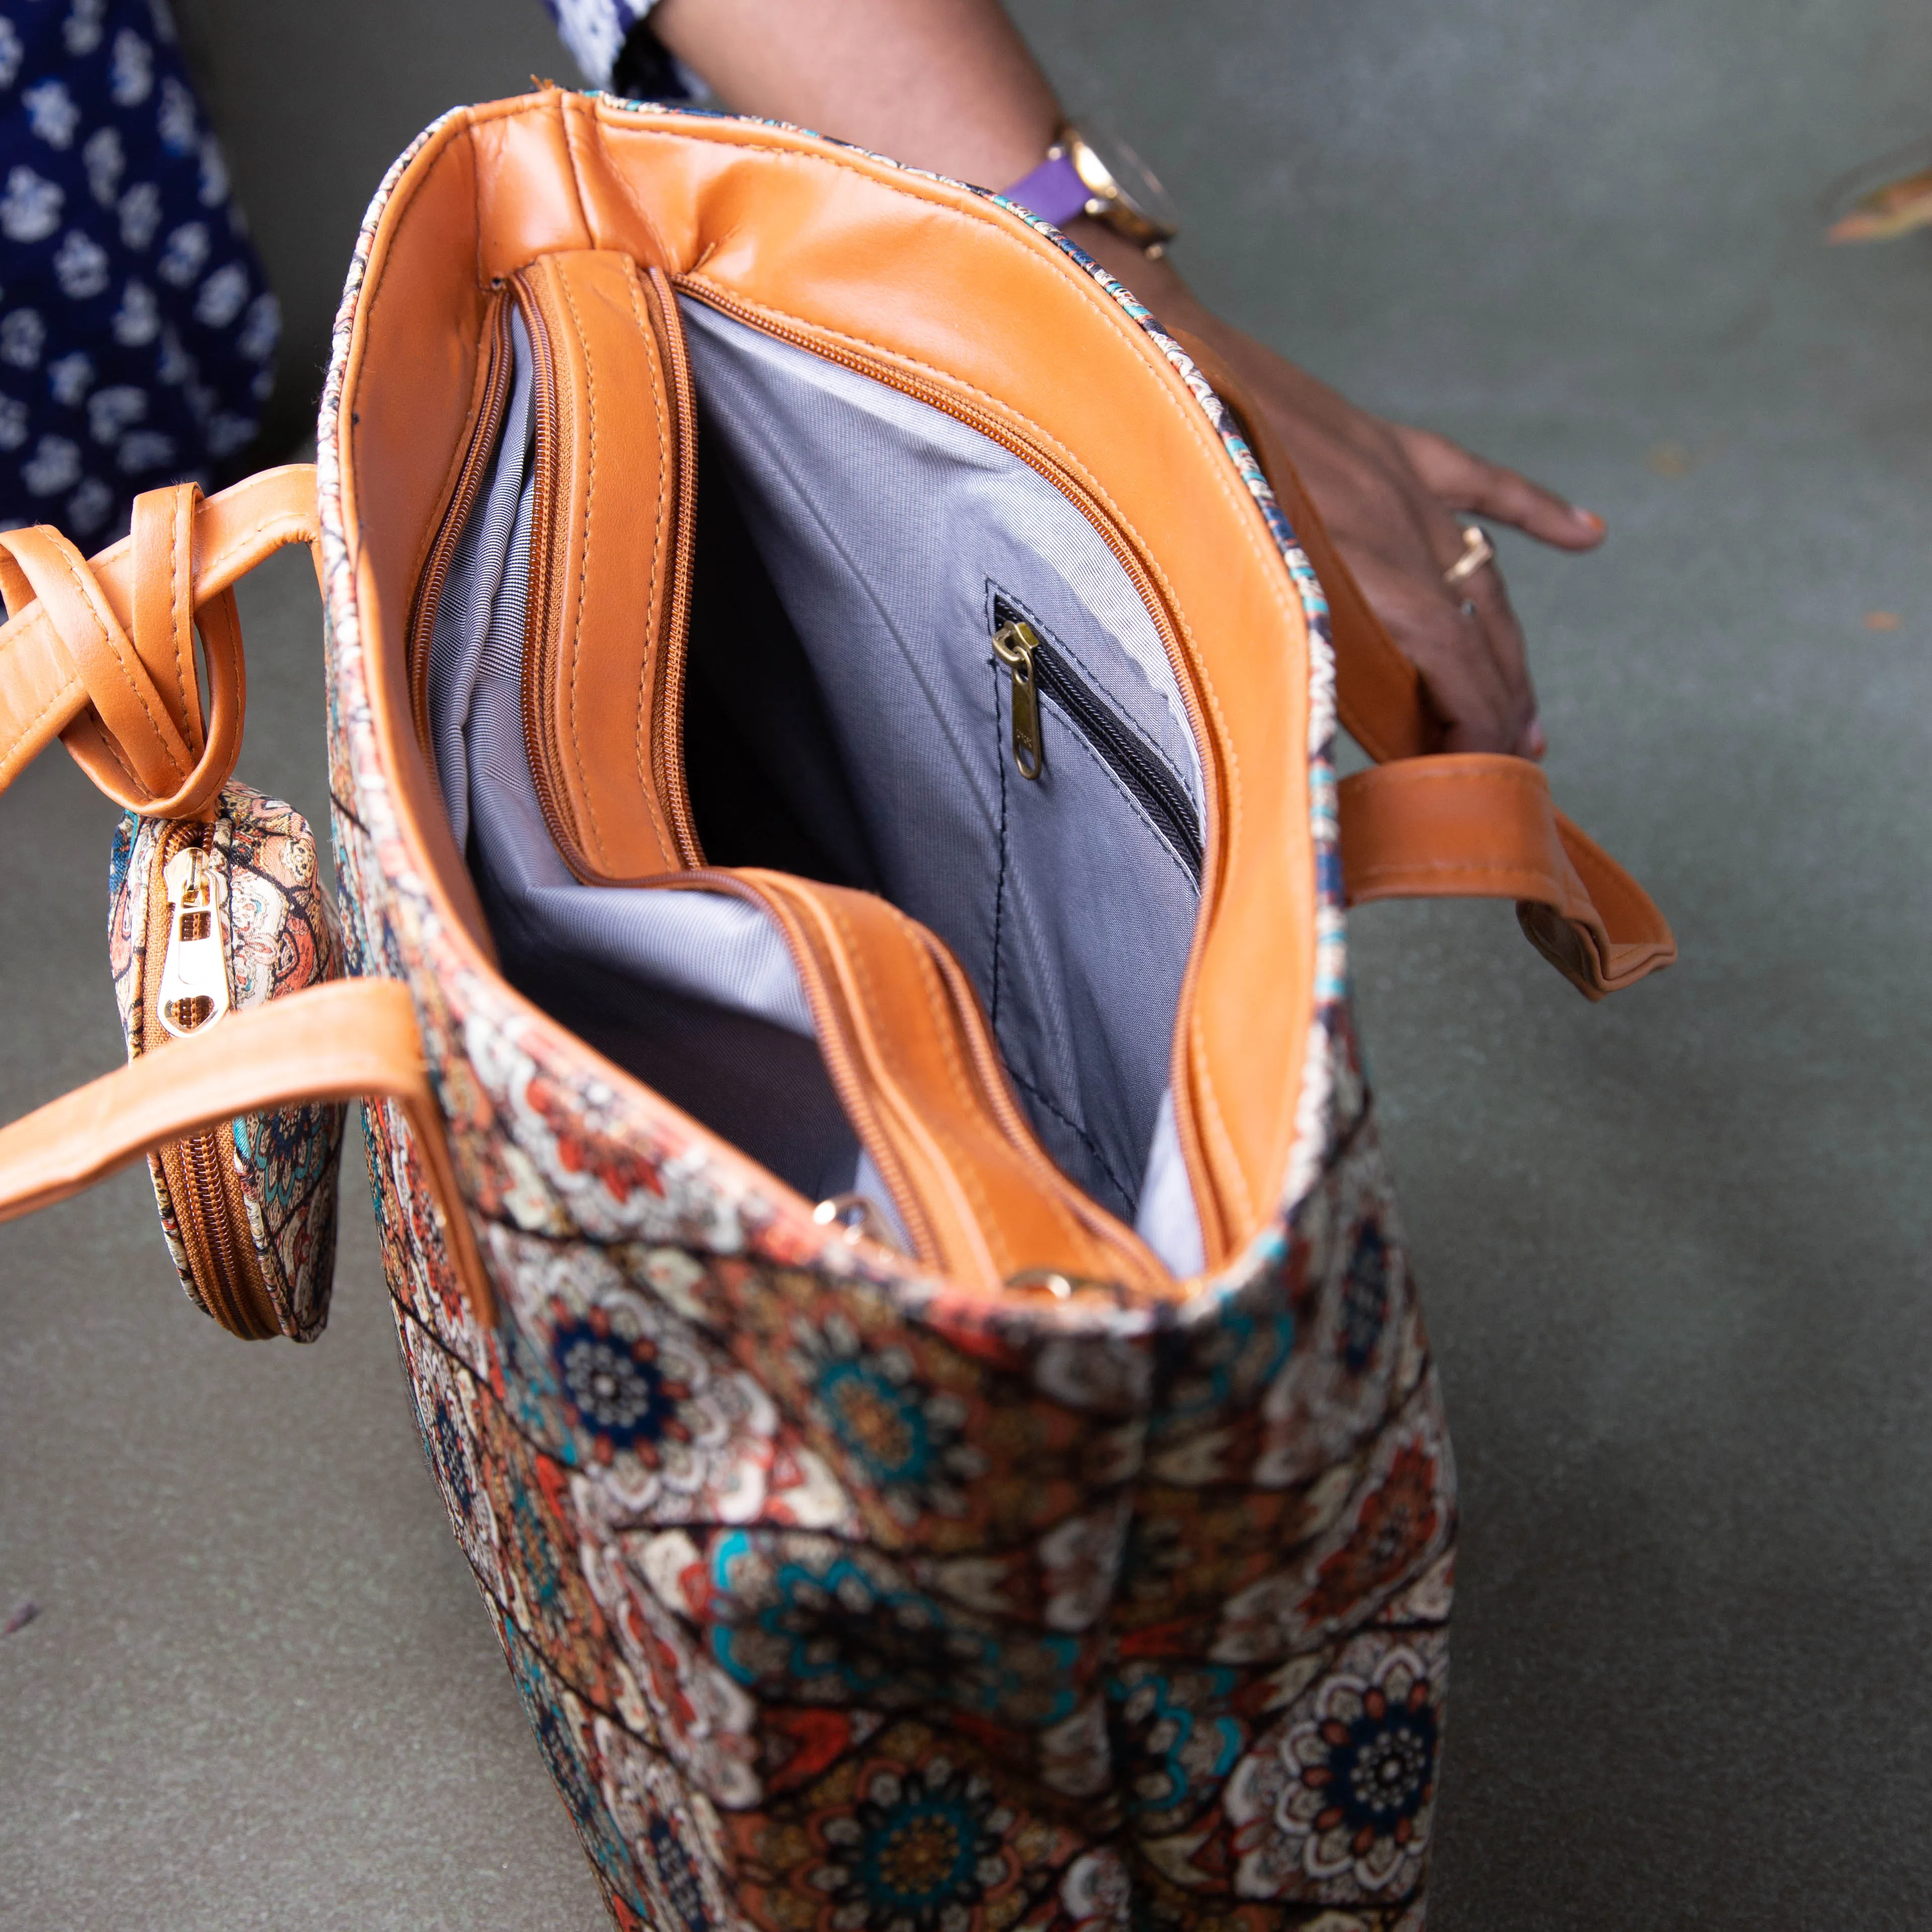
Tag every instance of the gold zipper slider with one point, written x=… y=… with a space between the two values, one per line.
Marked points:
x=194 y=970
x=1014 y=644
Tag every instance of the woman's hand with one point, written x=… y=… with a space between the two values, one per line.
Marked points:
x=948 y=84
x=1395 y=500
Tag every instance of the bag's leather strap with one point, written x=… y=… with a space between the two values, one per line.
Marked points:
x=101 y=653
x=350 y=1039
x=1477 y=826
x=911 y=1053
x=1432 y=824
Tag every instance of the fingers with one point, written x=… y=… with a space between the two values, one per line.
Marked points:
x=1462 y=481
x=1469 y=648
x=1487 y=606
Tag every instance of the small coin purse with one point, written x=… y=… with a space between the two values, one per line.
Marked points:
x=207 y=918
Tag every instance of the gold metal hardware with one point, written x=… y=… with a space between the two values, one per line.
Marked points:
x=1014 y=644
x=194 y=970
x=854 y=1215
x=1045 y=1281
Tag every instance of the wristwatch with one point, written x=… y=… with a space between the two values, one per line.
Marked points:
x=1088 y=172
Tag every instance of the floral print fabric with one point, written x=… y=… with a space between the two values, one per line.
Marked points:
x=595 y=30
x=280 y=927
x=842 y=1601
x=137 y=335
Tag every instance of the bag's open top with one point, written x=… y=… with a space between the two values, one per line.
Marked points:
x=961 y=303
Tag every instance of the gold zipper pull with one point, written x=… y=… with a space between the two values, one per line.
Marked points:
x=194 y=970
x=1014 y=644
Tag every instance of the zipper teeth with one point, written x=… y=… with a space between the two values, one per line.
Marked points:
x=538 y=626
x=201 y=1182
x=231 y=1277
x=1201 y=1168
x=1165 y=801
x=456 y=517
x=991 y=427
x=840 y=1066
x=677 y=624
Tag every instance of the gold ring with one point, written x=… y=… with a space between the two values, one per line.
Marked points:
x=1477 y=550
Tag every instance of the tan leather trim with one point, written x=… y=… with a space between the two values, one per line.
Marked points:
x=915 y=1067
x=469 y=470
x=910 y=266
x=1472 y=825
x=350 y=1039
x=144 y=739
x=616 y=487
x=1378 y=693
x=163 y=534
x=1463 y=825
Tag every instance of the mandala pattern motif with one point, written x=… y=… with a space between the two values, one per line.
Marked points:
x=842 y=1599
x=282 y=937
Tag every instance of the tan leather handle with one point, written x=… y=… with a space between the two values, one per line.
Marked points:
x=914 y=1063
x=1431 y=824
x=101 y=653
x=350 y=1039
x=1469 y=825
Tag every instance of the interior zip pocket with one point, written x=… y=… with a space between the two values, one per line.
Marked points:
x=1040 y=669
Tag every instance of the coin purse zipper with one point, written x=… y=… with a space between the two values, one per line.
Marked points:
x=185 y=991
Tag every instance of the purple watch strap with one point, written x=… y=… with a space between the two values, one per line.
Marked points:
x=1053 y=191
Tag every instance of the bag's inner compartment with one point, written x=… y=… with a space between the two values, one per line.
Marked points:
x=846 y=718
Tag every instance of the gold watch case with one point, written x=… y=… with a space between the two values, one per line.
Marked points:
x=1122 y=190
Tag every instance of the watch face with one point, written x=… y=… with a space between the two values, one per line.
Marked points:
x=1122 y=171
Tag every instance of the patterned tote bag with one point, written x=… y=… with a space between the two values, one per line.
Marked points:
x=840 y=891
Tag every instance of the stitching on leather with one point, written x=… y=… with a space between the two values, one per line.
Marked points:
x=665 y=258
x=377 y=272
x=584 y=559
x=1288 y=604
x=958 y=1156
x=107 y=638
x=16 y=754
x=641 y=750
x=181 y=586
x=965 y=1166
x=564 y=121
x=1207 y=1108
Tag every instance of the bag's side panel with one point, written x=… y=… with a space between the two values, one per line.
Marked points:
x=838 y=1599
x=1283 y=1713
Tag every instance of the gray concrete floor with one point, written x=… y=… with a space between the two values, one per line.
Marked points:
x=1676 y=1249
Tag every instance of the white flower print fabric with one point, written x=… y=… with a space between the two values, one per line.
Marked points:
x=137 y=331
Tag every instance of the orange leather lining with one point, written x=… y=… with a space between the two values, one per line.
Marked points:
x=910 y=266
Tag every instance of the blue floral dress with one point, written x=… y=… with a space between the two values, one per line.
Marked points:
x=137 y=332
x=615 y=50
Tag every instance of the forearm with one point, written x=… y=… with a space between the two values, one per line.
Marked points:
x=947 y=85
